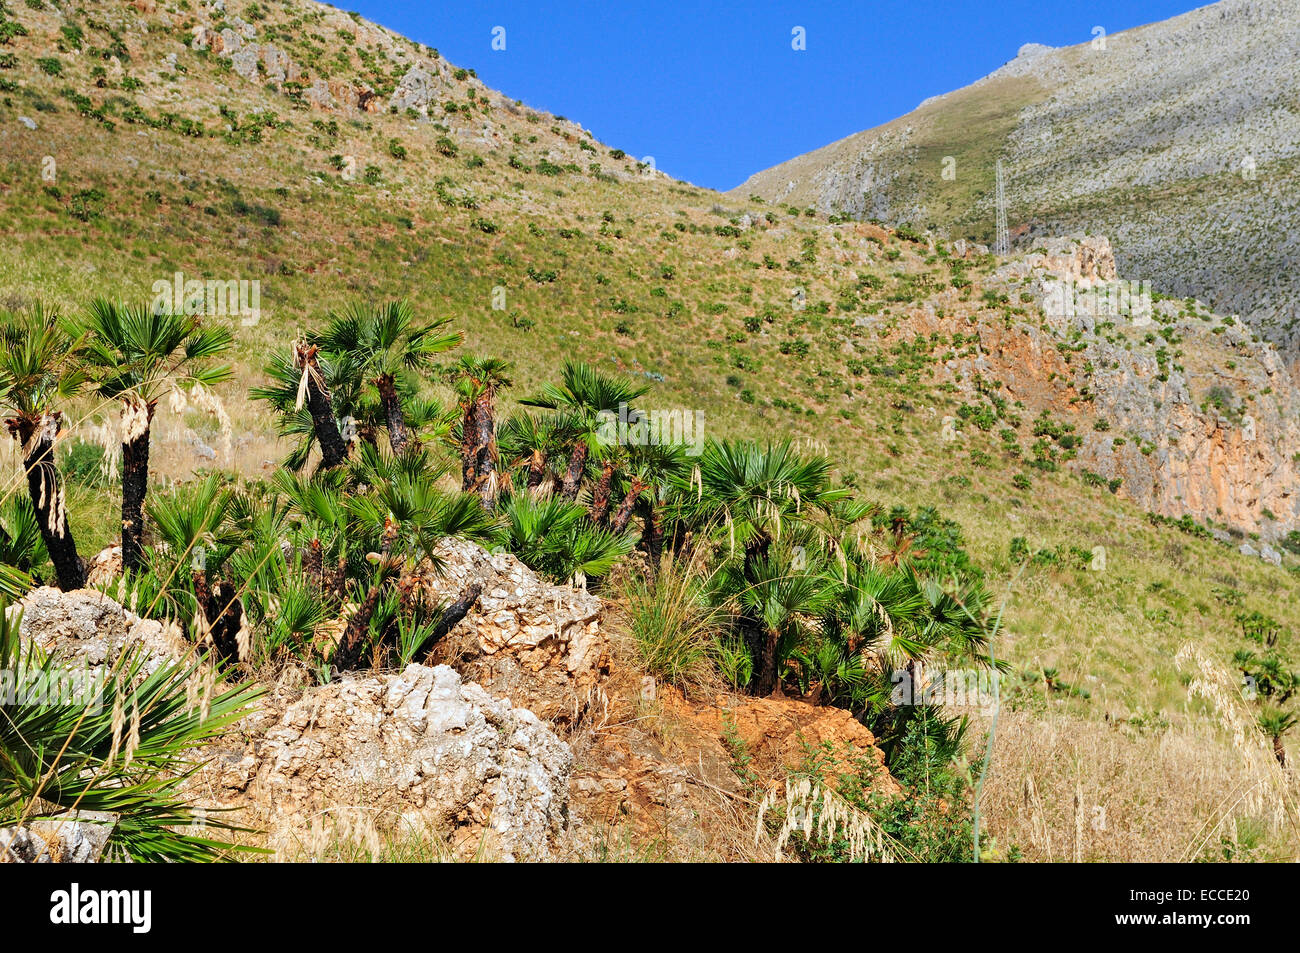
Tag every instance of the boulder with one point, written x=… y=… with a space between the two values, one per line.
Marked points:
x=79 y=838
x=230 y=42
x=415 y=91
x=416 y=751
x=538 y=643
x=279 y=67
x=319 y=94
x=104 y=567
x=245 y=61
x=86 y=627
x=413 y=751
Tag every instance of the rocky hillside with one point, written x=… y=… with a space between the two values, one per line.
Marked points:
x=1179 y=140
x=426 y=756
x=1178 y=409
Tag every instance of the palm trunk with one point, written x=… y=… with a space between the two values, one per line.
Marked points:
x=37 y=436
x=624 y=512
x=224 y=613
x=137 y=417
x=486 y=449
x=313 y=565
x=398 y=433
x=332 y=448
x=452 y=615
x=1279 y=750
x=600 y=497
x=765 y=680
x=338 y=584
x=573 y=476
x=654 y=537
x=536 y=469
x=468 y=453
x=761 y=642
x=352 y=645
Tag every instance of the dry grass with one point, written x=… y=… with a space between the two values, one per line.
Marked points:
x=1070 y=788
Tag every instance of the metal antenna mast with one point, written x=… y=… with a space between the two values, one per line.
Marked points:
x=1002 y=245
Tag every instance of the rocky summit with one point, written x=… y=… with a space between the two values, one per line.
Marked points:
x=1179 y=140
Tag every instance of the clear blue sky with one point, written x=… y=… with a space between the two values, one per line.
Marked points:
x=714 y=91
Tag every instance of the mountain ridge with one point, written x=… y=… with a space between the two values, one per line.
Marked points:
x=1176 y=139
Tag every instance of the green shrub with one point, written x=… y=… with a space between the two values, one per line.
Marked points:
x=84 y=464
x=86 y=204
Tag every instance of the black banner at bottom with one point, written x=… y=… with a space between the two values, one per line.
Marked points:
x=138 y=905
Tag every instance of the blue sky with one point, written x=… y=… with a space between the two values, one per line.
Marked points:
x=714 y=91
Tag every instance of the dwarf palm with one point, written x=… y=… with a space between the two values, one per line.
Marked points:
x=136 y=355
x=197 y=537
x=753 y=496
x=531 y=442
x=477 y=382
x=585 y=393
x=751 y=492
x=37 y=370
x=653 y=471
x=22 y=551
x=385 y=344
x=778 y=599
x=555 y=538
x=312 y=393
x=400 y=520
x=1276 y=723
x=404 y=510
x=75 y=753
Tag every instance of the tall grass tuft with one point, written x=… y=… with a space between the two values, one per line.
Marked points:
x=672 y=622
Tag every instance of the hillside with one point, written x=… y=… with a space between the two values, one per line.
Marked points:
x=330 y=160
x=1178 y=140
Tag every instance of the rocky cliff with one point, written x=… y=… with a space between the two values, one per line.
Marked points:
x=1182 y=410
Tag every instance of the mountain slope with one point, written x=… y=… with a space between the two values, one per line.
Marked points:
x=1179 y=140
x=331 y=160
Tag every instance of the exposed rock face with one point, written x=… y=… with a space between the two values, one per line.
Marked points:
x=279 y=67
x=1230 y=463
x=679 y=783
x=85 y=626
x=104 y=566
x=537 y=643
x=1201 y=419
x=418 y=750
x=777 y=733
x=244 y=62
x=1088 y=259
x=415 y=91
x=77 y=839
x=318 y=94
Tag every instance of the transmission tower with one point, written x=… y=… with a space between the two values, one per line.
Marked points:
x=1002 y=245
